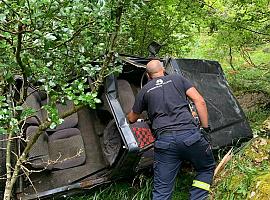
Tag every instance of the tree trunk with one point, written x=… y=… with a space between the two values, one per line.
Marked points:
x=231 y=59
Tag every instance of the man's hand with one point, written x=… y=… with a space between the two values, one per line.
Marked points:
x=133 y=117
x=206 y=133
x=207 y=129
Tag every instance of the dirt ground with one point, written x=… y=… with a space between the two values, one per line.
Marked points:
x=249 y=101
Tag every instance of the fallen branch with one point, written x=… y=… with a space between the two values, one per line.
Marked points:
x=223 y=162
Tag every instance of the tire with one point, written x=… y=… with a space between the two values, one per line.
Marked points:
x=3 y=145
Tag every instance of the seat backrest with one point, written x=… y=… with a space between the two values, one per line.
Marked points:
x=39 y=153
x=63 y=149
x=125 y=95
x=66 y=147
x=33 y=101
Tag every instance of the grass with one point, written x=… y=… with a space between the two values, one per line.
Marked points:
x=256 y=118
x=142 y=190
x=244 y=172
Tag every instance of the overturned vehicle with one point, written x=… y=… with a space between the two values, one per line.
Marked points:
x=94 y=147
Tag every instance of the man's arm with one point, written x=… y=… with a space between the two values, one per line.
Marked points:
x=133 y=117
x=200 y=104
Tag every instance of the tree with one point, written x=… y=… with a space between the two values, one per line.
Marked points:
x=170 y=23
x=52 y=43
x=237 y=25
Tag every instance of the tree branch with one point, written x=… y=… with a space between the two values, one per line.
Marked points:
x=8 y=157
x=19 y=60
x=74 y=35
x=109 y=55
x=16 y=32
x=30 y=11
x=10 y=7
x=231 y=58
x=8 y=31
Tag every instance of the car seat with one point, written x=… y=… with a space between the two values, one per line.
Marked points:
x=58 y=148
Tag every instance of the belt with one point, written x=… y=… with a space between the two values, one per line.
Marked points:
x=166 y=132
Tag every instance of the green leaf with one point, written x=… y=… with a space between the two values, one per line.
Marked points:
x=2 y=17
x=19 y=108
x=50 y=36
x=53 y=125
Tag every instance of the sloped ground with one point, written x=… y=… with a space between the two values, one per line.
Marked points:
x=247 y=175
x=250 y=101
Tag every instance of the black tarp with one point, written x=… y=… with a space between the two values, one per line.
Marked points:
x=226 y=117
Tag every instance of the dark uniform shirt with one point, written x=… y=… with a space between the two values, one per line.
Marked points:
x=165 y=100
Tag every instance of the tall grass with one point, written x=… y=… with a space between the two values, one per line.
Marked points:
x=141 y=190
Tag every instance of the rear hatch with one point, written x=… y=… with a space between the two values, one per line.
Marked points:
x=226 y=117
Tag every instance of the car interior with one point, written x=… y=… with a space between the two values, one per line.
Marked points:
x=87 y=144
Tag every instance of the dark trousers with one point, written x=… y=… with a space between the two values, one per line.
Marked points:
x=170 y=149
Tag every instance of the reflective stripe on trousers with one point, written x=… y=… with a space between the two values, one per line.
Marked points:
x=170 y=150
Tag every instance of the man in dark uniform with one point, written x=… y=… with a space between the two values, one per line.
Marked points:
x=177 y=136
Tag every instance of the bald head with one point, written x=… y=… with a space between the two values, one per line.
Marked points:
x=155 y=69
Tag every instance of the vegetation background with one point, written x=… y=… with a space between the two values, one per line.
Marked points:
x=55 y=41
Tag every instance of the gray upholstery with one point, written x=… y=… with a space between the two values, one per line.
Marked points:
x=58 y=148
x=39 y=154
x=111 y=142
x=36 y=99
x=65 y=133
x=63 y=149
x=33 y=101
x=126 y=95
x=66 y=147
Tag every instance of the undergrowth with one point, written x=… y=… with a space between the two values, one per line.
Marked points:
x=242 y=177
x=256 y=118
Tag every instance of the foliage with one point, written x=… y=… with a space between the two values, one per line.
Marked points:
x=239 y=179
x=53 y=42
x=238 y=24
x=170 y=23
